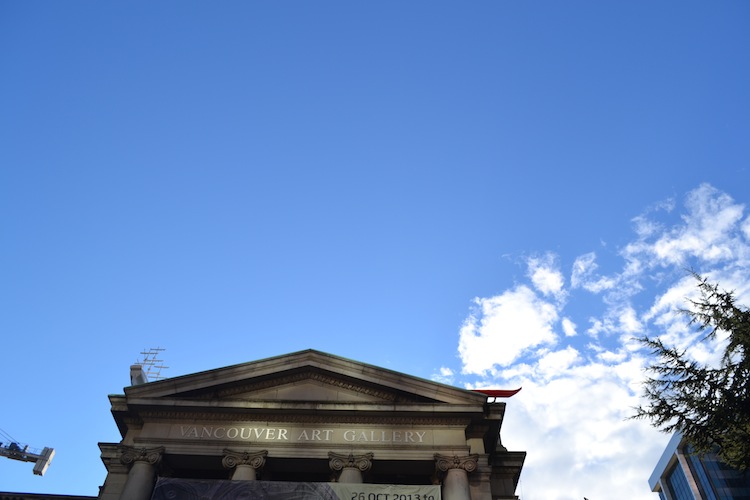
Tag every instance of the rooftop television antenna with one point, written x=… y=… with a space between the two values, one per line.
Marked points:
x=152 y=366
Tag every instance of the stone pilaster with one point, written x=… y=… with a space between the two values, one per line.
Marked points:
x=350 y=467
x=142 y=463
x=244 y=463
x=456 y=475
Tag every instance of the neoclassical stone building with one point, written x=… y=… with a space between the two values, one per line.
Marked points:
x=307 y=425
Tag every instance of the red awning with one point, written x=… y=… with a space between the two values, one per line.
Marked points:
x=498 y=393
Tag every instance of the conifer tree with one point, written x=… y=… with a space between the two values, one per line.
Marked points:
x=709 y=405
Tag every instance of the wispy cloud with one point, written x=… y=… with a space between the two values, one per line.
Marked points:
x=584 y=275
x=546 y=277
x=711 y=232
x=578 y=391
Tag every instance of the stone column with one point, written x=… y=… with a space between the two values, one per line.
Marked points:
x=350 y=466
x=142 y=462
x=456 y=479
x=244 y=463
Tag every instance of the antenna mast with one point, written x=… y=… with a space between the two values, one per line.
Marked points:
x=152 y=366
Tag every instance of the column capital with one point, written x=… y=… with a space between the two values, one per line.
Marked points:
x=130 y=455
x=254 y=459
x=444 y=463
x=338 y=462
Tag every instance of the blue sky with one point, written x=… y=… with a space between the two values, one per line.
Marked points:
x=492 y=193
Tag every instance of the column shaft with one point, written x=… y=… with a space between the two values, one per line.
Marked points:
x=140 y=482
x=350 y=475
x=142 y=461
x=244 y=472
x=456 y=478
x=456 y=485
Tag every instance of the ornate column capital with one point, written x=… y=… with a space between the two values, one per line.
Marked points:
x=130 y=455
x=443 y=463
x=339 y=462
x=232 y=458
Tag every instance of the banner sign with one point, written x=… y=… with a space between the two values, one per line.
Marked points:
x=203 y=489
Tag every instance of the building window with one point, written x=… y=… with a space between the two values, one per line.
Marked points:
x=678 y=485
x=718 y=481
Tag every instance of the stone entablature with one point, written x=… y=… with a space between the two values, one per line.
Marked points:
x=263 y=432
x=258 y=434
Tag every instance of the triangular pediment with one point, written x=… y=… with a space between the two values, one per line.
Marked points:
x=304 y=376
x=310 y=386
x=311 y=390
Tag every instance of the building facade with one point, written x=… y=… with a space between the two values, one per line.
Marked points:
x=304 y=426
x=682 y=475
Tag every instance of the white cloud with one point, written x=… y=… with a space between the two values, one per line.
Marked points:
x=546 y=277
x=708 y=233
x=444 y=375
x=583 y=266
x=673 y=299
x=583 y=275
x=504 y=327
x=556 y=362
x=569 y=328
x=628 y=320
x=746 y=228
x=572 y=414
x=612 y=357
x=597 y=327
x=645 y=227
x=620 y=317
x=571 y=419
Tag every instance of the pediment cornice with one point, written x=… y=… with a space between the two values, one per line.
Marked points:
x=340 y=374
x=323 y=378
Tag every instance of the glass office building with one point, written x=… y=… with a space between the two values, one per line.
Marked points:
x=683 y=475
